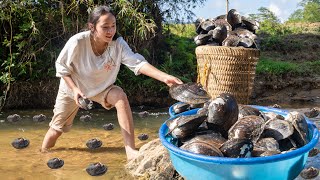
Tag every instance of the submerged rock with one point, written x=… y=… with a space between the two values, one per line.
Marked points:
x=153 y=163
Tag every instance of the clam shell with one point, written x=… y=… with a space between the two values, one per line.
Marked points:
x=20 y=143
x=223 y=111
x=248 y=127
x=207 y=25
x=180 y=107
x=143 y=137
x=96 y=169
x=266 y=147
x=309 y=173
x=55 y=163
x=94 y=143
x=231 y=41
x=85 y=118
x=237 y=148
x=202 y=39
x=202 y=147
x=85 y=103
x=14 y=118
x=183 y=126
x=245 y=110
x=278 y=129
x=301 y=132
x=190 y=93
x=250 y=24
x=218 y=34
x=223 y=23
x=234 y=18
x=108 y=127
x=39 y=118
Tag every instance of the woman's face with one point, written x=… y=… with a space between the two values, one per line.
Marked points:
x=106 y=28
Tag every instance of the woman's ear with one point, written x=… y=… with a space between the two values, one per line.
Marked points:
x=91 y=27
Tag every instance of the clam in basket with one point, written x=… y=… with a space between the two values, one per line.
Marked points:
x=224 y=69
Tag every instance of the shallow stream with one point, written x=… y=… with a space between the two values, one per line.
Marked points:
x=29 y=163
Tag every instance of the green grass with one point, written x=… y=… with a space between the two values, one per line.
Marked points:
x=270 y=66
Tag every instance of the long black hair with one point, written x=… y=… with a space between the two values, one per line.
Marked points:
x=97 y=13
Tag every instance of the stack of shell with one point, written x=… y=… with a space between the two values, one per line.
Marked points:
x=231 y=30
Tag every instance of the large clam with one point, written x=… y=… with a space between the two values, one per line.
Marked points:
x=248 y=127
x=190 y=93
x=223 y=111
x=301 y=133
x=183 y=126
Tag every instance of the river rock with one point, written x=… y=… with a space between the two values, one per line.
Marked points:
x=153 y=163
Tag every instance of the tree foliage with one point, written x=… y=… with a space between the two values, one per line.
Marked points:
x=33 y=32
x=310 y=12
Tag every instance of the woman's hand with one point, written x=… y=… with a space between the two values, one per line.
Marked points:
x=76 y=91
x=76 y=94
x=155 y=73
x=171 y=80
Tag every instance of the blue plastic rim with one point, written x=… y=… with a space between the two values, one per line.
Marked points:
x=182 y=159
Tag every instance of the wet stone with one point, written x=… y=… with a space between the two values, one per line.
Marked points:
x=85 y=118
x=20 y=143
x=13 y=118
x=55 y=163
x=96 y=169
x=143 y=137
x=39 y=118
x=108 y=127
x=94 y=143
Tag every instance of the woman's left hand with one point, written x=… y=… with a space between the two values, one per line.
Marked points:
x=171 y=80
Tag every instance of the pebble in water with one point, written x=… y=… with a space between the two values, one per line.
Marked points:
x=20 y=143
x=96 y=169
x=55 y=163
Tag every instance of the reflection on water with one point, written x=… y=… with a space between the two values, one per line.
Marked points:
x=29 y=163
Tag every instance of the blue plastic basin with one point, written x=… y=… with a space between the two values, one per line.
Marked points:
x=200 y=167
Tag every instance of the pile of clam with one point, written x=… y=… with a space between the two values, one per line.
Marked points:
x=231 y=30
x=224 y=128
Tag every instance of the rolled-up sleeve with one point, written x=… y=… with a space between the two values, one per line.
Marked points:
x=133 y=61
x=65 y=58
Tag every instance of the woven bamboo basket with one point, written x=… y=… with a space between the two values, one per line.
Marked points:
x=227 y=70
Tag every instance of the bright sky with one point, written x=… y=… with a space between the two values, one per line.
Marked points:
x=282 y=8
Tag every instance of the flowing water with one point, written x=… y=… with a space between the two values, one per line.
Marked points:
x=29 y=163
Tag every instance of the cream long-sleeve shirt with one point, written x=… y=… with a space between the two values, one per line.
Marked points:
x=90 y=73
